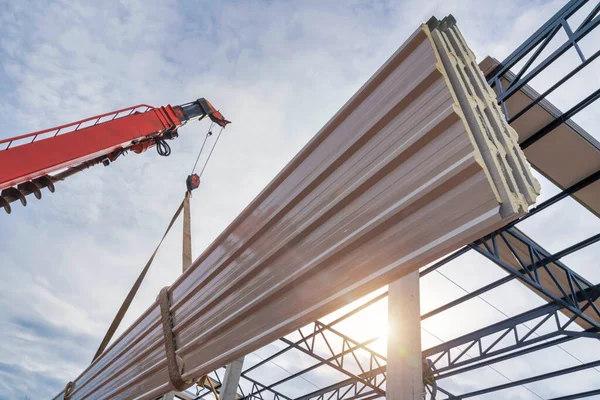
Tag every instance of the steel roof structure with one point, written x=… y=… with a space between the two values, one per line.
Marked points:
x=329 y=359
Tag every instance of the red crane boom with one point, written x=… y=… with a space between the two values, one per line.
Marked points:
x=27 y=161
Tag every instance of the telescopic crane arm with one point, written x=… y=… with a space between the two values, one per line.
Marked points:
x=31 y=162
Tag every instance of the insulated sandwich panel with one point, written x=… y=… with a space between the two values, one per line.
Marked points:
x=399 y=177
x=487 y=109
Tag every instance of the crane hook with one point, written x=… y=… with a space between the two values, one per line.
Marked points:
x=192 y=182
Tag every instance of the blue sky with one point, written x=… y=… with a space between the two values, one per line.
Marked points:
x=278 y=70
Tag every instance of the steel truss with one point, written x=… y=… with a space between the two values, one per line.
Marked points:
x=572 y=298
x=531 y=51
x=499 y=342
x=366 y=383
x=532 y=379
x=256 y=387
x=574 y=288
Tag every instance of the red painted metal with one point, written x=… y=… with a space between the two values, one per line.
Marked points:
x=40 y=153
x=27 y=161
x=73 y=126
x=142 y=147
x=192 y=182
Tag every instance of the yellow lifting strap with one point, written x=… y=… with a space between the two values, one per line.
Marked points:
x=132 y=292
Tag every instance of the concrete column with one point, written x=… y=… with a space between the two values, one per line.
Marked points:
x=169 y=396
x=187 y=233
x=404 y=363
x=231 y=380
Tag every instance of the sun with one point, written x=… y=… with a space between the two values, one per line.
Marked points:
x=369 y=325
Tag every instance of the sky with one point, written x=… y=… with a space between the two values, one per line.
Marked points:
x=277 y=69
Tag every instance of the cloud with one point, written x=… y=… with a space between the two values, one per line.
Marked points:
x=16 y=381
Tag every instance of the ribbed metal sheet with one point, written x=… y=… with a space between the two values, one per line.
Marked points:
x=396 y=179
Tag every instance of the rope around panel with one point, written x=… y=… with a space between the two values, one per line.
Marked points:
x=175 y=363
x=133 y=291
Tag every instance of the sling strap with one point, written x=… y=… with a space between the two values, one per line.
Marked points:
x=175 y=364
x=129 y=299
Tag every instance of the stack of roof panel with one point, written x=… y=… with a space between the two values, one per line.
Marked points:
x=478 y=102
x=414 y=165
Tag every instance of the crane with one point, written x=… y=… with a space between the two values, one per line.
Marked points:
x=32 y=162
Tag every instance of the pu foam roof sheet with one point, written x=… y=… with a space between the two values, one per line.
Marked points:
x=413 y=166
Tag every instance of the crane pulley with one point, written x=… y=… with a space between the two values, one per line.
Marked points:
x=32 y=162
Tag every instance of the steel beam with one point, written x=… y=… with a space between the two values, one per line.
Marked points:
x=376 y=386
x=353 y=388
x=569 y=191
x=509 y=340
x=562 y=118
x=349 y=352
x=459 y=362
x=308 y=341
x=347 y=389
x=544 y=272
x=526 y=381
x=257 y=388
x=533 y=47
x=580 y=395
x=535 y=265
x=318 y=328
